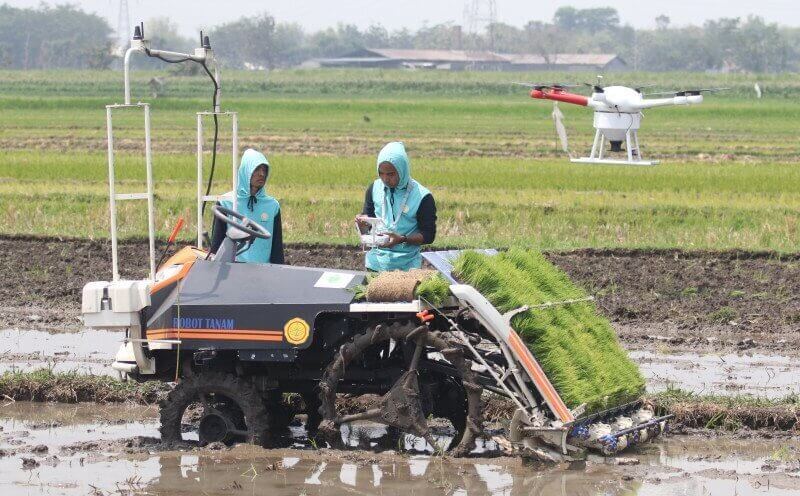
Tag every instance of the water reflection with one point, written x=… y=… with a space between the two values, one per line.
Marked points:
x=335 y=473
x=90 y=451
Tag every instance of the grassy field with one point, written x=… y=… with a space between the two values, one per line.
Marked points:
x=373 y=83
x=729 y=177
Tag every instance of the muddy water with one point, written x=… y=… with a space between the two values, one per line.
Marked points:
x=756 y=374
x=92 y=449
x=89 y=352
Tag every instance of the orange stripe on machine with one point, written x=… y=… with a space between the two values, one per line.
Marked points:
x=544 y=385
x=214 y=334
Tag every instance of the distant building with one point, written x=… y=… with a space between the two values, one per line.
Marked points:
x=566 y=62
x=459 y=60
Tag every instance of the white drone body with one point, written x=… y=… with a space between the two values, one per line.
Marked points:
x=617 y=117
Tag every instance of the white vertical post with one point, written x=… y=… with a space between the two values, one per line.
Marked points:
x=636 y=141
x=628 y=145
x=602 y=146
x=126 y=72
x=235 y=156
x=112 y=197
x=200 y=199
x=594 y=143
x=151 y=222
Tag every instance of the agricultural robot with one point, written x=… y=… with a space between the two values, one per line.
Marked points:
x=235 y=338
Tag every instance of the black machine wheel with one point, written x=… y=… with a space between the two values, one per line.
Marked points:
x=221 y=407
x=402 y=408
x=312 y=407
x=280 y=414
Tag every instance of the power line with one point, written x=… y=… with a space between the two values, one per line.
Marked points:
x=481 y=15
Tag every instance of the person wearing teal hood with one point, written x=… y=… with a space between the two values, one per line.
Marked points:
x=407 y=209
x=253 y=202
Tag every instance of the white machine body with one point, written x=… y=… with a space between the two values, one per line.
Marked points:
x=615 y=125
x=117 y=306
x=628 y=100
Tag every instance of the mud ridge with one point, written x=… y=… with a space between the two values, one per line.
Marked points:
x=710 y=415
x=46 y=386
x=707 y=413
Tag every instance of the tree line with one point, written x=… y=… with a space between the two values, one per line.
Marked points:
x=67 y=37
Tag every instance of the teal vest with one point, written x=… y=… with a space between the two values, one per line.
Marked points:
x=401 y=219
x=264 y=212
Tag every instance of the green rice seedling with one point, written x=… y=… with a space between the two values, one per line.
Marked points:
x=360 y=291
x=434 y=289
x=577 y=348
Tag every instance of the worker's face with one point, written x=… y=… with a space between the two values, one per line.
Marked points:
x=258 y=179
x=388 y=174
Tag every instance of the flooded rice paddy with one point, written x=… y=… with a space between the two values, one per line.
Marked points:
x=114 y=449
x=768 y=376
x=90 y=449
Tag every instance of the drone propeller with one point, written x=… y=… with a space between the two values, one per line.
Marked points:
x=639 y=88
x=595 y=87
x=599 y=89
x=540 y=86
x=691 y=92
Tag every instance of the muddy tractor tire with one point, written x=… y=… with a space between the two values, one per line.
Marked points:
x=402 y=408
x=313 y=417
x=232 y=410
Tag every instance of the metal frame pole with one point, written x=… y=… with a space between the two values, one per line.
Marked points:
x=151 y=215
x=235 y=155
x=112 y=197
x=127 y=73
x=200 y=198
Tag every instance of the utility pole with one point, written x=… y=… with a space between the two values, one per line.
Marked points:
x=481 y=14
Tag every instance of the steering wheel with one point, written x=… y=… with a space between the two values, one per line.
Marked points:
x=240 y=222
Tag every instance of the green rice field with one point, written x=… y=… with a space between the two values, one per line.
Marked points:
x=729 y=177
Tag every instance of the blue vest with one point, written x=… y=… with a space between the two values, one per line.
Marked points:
x=400 y=218
x=264 y=212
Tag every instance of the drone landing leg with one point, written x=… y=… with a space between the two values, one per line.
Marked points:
x=598 y=150
x=628 y=145
x=636 y=142
x=594 y=144
x=602 y=146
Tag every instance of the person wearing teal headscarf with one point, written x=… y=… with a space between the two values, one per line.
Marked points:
x=254 y=203
x=407 y=209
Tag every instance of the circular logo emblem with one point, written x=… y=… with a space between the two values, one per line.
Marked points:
x=405 y=209
x=264 y=216
x=296 y=331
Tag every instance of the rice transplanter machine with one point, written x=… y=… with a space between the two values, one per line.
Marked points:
x=236 y=337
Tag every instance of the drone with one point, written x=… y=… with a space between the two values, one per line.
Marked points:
x=617 y=116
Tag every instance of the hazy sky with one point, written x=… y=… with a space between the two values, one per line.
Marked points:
x=191 y=15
